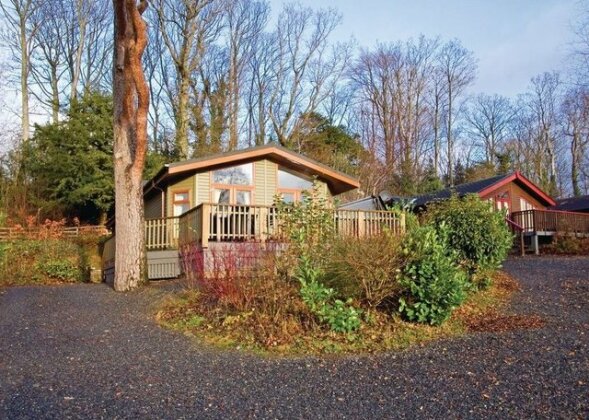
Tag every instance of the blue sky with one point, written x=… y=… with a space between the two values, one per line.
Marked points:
x=513 y=39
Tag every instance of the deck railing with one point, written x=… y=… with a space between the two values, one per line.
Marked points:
x=162 y=233
x=552 y=221
x=230 y=223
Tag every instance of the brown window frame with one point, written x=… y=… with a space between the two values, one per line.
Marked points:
x=174 y=201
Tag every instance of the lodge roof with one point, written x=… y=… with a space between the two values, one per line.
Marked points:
x=483 y=187
x=338 y=181
x=572 y=204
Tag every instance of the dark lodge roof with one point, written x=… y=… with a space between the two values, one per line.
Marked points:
x=572 y=204
x=460 y=190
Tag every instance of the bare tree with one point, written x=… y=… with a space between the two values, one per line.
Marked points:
x=489 y=118
x=437 y=97
x=47 y=61
x=392 y=85
x=186 y=27
x=304 y=66
x=458 y=67
x=543 y=102
x=246 y=20
x=131 y=105
x=261 y=69
x=575 y=110
x=18 y=35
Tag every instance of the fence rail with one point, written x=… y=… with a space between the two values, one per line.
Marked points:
x=552 y=221
x=231 y=223
x=8 y=233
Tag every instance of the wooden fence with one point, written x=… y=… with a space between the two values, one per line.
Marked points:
x=47 y=232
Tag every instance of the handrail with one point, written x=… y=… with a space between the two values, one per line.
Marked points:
x=514 y=225
x=537 y=220
x=228 y=222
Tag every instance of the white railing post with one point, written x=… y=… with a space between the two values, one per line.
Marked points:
x=361 y=217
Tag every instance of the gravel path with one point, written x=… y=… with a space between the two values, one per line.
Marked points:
x=85 y=352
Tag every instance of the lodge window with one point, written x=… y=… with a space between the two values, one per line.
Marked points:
x=525 y=205
x=233 y=185
x=180 y=202
x=502 y=201
x=291 y=185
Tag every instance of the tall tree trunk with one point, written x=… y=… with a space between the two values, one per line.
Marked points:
x=437 y=139
x=182 y=117
x=233 y=102
x=82 y=21
x=54 y=94
x=575 y=164
x=24 y=78
x=131 y=103
x=449 y=137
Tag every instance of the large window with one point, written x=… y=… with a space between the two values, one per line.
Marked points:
x=291 y=185
x=234 y=185
x=235 y=175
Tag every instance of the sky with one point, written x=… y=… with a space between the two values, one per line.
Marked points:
x=513 y=40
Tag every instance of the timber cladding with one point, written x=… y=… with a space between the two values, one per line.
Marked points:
x=265 y=187
x=515 y=193
x=185 y=185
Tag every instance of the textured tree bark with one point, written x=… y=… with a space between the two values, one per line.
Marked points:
x=131 y=103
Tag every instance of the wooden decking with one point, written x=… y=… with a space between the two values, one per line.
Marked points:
x=220 y=223
x=230 y=223
x=538 y=223
x=551 y=222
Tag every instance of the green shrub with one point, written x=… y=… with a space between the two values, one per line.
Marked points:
x=308 y=226
x=479 y=236
x=59 y=269
x=434 y=284
x=27 y=261
x=365 y=269
x=341 y=316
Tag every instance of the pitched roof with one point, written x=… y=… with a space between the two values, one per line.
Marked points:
x=337 y=181
x=474 y=187
x=483 y=187
x=572 y=204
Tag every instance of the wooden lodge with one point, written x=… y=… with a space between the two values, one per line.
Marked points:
x=531 y=213
x=229 y=198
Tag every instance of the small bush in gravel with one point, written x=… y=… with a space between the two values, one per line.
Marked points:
x=434 y=284
x=479 y=235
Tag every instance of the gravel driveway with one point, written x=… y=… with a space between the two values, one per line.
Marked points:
x=86 y=352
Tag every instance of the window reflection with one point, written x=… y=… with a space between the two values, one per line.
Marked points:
x=235 y=175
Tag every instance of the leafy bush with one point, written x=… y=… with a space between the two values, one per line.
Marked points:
x=308 y=227
x=26 y=261
x=366 y=268
x=479 y=236
x=59 y=269
x=339 y=315
x=434 y=284
x=568 y=245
